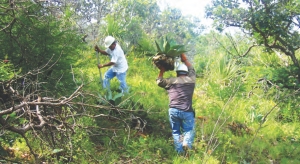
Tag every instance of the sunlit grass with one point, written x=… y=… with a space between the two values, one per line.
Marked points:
x=229 y=106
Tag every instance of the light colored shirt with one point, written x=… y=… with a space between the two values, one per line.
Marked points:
x=117 y=56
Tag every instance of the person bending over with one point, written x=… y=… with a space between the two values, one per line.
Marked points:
x=118 y=63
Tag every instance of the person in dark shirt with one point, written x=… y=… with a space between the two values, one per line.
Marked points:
x=181 y=114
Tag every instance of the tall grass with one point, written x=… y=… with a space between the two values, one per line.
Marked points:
x=241 y=116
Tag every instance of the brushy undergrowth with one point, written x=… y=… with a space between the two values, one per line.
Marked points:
x=240 y=118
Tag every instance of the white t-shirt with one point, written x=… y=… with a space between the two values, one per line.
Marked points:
x=117 y=56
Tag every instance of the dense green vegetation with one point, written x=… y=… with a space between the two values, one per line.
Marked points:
x=53 y=109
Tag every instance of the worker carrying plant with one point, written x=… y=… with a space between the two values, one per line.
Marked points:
x=180 y=90
x=117 y=61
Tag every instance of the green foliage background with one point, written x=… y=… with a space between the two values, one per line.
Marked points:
x=246 y=106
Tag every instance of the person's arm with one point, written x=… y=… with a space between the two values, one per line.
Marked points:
x=192 y=72
x=101 y=51
x=161 y=72
x=185 y=60
x=160 y=81
x=105 y=65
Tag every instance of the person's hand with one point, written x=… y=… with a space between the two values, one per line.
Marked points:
x=97 y=48
x=100 y=66
x=183 y=57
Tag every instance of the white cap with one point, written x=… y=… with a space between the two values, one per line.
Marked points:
x=182 y=67
x=108 y=41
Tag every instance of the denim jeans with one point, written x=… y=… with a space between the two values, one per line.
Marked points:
x=109 y=74
x=185 y=122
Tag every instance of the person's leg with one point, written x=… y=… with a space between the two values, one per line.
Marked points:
x=175 y=126
x=188 y=126
x=122 y=79
x=109 y=74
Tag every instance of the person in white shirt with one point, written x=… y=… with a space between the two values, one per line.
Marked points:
x=118 y=63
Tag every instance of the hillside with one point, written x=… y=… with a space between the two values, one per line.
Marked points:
x=54 y=109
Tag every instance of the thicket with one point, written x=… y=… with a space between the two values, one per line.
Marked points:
x=54 y=110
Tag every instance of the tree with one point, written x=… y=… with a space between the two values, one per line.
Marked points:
x=34 y=36
x=131 y=20
x=273 y=23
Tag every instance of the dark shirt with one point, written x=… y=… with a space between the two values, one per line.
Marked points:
x=180 y=90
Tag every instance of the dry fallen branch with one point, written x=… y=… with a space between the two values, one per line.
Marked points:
x=54 y=120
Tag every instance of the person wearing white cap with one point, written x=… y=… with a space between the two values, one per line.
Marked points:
x=118 y=63
x=181 y=113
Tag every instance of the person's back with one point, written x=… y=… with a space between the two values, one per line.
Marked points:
x=181 y=114
x=180 y=90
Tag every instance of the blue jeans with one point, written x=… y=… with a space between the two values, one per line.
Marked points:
x=109 y=74
x=185 y=121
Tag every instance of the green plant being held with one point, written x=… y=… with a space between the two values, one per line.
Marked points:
x=167 y=51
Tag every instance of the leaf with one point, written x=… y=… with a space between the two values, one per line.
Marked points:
x=108 y=95
x=13 y=115
x=177 y=46
x=166 y=46
x=161 y=44
x=182 y=51
x=172 y=53
x=57 y=151
x=171 y=41
x=117 y=96
x=158 y=47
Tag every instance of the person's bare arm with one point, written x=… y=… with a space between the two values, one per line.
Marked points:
x=105 y=65
x=185 y=60
x=161 y=72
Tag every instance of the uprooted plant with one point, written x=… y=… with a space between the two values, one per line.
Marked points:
x=167 y=52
